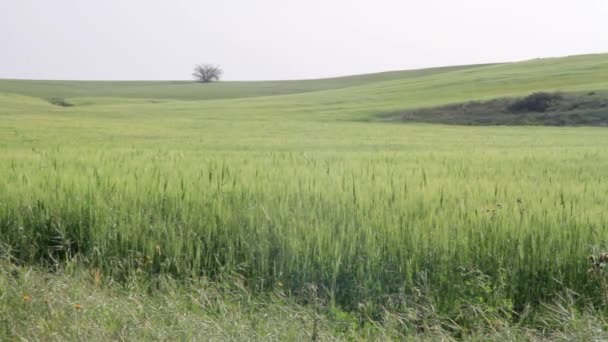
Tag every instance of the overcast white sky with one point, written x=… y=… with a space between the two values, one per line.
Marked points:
x=285 y=39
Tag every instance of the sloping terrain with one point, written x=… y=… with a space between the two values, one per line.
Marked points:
x=189 y=90
x=372 y=98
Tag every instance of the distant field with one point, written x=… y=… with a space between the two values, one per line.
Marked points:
x=189 y=90
x=307 y=197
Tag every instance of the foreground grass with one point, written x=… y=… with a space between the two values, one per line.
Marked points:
x=77 y=304
x=460 y=210
x=72 y=305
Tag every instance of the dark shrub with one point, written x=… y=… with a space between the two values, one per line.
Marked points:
x=537 y=102
x=60 y=102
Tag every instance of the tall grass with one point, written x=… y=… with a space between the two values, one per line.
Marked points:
x=502 y=227
x=293 y=190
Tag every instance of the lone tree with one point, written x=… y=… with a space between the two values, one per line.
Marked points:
x=206 y=73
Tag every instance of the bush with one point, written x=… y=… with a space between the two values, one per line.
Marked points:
x=537 y=102
x=60 y=102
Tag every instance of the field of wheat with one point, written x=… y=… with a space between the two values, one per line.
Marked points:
x=308 y=192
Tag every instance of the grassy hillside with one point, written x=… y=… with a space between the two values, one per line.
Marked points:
x=188 y=90
x=369 y=100
x=302 y=205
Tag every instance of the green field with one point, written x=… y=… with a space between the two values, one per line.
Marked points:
x=187 y=90
x=262 y=192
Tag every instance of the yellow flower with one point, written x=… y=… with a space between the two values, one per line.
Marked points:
x=280 y=284
x=27 y=298
x=77 y=306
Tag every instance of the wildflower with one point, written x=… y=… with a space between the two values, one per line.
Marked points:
x=280 y=284
x=27 y=298
x=77 y=306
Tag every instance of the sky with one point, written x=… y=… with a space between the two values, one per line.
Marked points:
x=285 y=39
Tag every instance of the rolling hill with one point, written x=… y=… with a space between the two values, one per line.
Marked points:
x=189 y=90
x=364 y=97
